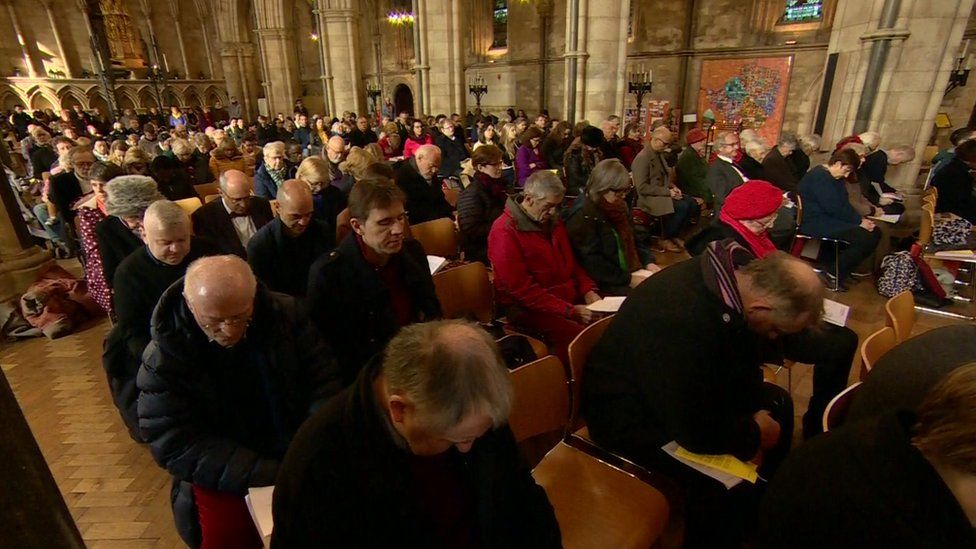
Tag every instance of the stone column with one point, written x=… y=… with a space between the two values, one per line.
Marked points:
x=174 y=8
x=602 y=28
x=328 y=94
x=342 y=50
x=34 y=66
x=203 y=16
x=238 y=64
x=59 y=42
x=912 y=81
x=274 y=31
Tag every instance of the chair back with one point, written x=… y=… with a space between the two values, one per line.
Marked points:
x=837 y=408
x=874 y=347
x=541 y=398
x=925 y=229
x=210 y=198
x=438 y=237
x=206 y=189
x=579 y=352
x=451 y=195
x=189 y=205
x=900 y=311
x=799 y=211
x=465 y=291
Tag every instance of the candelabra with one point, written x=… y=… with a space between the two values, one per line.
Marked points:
x=374 y=91
x=478 y=88
x=641 y=83
x=157 y=76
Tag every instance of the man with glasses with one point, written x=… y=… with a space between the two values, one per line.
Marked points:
x=231 y=221
x=282 y=252
x=657 y=196
x=537 y=279
x=724 y=174
x=232 y=371
x=375 y=282
x=418 y=178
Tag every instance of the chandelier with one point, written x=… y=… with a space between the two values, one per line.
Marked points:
x=398 y=18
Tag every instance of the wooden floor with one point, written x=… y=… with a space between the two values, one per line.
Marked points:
x=117 y=494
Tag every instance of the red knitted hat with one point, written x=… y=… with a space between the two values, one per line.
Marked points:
x=694 y=136
x=754 y=199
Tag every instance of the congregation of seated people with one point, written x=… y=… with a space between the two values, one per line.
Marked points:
x=276 y=321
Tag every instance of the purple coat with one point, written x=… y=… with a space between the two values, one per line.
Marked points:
x=527 y=155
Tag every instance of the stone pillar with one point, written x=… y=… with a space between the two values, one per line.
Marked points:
x=34 y=66
x=203 y=16
x=274 y=31
x=603 y=26
x=58 y=40
x=174 y=8
x=20 y=260
x=328 y=92
x=913 y=79
x=240 y=74
x=441 y=73
x=339 y=23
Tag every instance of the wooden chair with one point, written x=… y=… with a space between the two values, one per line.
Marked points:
x=874 y=347
x=925 y=228
x=837 y=408
x=597 y=505
x=465 y=291
x=451 y=195
x=189 y=205
x=900 y=311
x=438 y=237
x=800 y=239
x=210 y=198
x=579 y=352
x=207 y=189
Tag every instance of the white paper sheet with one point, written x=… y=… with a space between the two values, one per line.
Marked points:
x=607 y=305
x=259 y=505
x=887 y=218
x=727 y=480
x=435 y=262
x=836 y=313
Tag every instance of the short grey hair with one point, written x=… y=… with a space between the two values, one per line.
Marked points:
x=167 y=214
x=448 y=369
x=755 y=146
x=543 y=184
x=810 y=143
x=871 y=140
x=130 y=195
x=181 y=146
x=788 y=139
x=607 y=175
x=722 y=137
x=274 y=146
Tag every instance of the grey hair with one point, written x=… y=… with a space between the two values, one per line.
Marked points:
x=607 y=175
x=871 y=140
x=788 y=139
x=755 y=146
x=543 y=184
x=810 y=143
x=448 y=369
x=722 y=137
x=274 y=146
x=167 y=214
x=181 y=146
x=130 y=195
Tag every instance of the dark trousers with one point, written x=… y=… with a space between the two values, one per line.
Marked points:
x=862 y=245
x=831 y=351
x=685 y=210
x=716 y=517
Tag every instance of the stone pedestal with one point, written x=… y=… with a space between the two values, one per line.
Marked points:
x=20 y=260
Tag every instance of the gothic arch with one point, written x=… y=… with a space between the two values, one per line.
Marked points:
x=212 y=95
x=42 y=98
x=70 y=96
x=128 y=98
x=191 y=98
x=147 y=97
x=10 y=96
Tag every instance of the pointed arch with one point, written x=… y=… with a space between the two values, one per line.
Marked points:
x=146 y=97
x=70 y=96
x=10 y=96
x=191 y=98
x=42 y=97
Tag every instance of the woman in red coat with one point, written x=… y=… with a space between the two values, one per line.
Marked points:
x=418 y=137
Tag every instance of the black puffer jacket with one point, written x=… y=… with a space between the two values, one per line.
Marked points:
x=221 y=418
x=477 y=209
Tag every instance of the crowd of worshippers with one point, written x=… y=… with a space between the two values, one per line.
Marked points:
x=303 y=347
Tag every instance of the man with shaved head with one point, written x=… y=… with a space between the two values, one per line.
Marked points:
x=232 y=371
x=231 y=221
x=139 y=281
x=283 y=251
x=418 y=179
x=416 y=453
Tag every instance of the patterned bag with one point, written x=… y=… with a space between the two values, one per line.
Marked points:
x=898 y=273
x=950 y=230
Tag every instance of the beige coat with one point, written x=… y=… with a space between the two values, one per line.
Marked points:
x=652 y=182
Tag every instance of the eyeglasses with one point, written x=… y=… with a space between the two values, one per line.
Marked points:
x=232 y=322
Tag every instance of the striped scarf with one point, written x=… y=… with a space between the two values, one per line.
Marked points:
x=722 y=258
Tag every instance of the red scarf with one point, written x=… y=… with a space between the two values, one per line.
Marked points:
x=759 y=244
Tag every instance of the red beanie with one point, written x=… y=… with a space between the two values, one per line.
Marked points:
x=754 y=199
x=694 y=136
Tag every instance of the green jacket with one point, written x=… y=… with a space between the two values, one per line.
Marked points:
x=691 y=175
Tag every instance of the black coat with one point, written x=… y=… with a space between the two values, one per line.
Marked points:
x=139 y=281
x=115 y=242
x=425 y=200
x=955 y=185
x=453 y=152
x=800 y=162
x=358 y=138
x=41 y=160
x=863 y=485
x=346 y=483
x=752 y=168
x=779 y=171
x=577 y=170
x=221 y=418
x=212 y=221
x=594 y=242
x=63 y=190
x=477 y=210
x=351 y=305
x=721 y=178
x=283 y=262
x=677 y=364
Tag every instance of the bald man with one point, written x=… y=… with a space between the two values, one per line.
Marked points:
x=140 y=279
x=283 y=251
x=681 y=362
x=232 y=220
x=231 y=373
x=418 y=179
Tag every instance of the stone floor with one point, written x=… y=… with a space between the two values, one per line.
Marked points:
x=118 y=495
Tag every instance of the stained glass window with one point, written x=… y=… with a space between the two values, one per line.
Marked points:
x=802 y=11
x=500 y=24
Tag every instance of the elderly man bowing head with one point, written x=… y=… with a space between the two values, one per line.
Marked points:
x=232 y=371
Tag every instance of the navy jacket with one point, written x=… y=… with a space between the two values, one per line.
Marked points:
x=827 y=211
x=283 y=262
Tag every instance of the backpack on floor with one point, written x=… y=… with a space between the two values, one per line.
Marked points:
x=898 y=273
x=950 y=230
